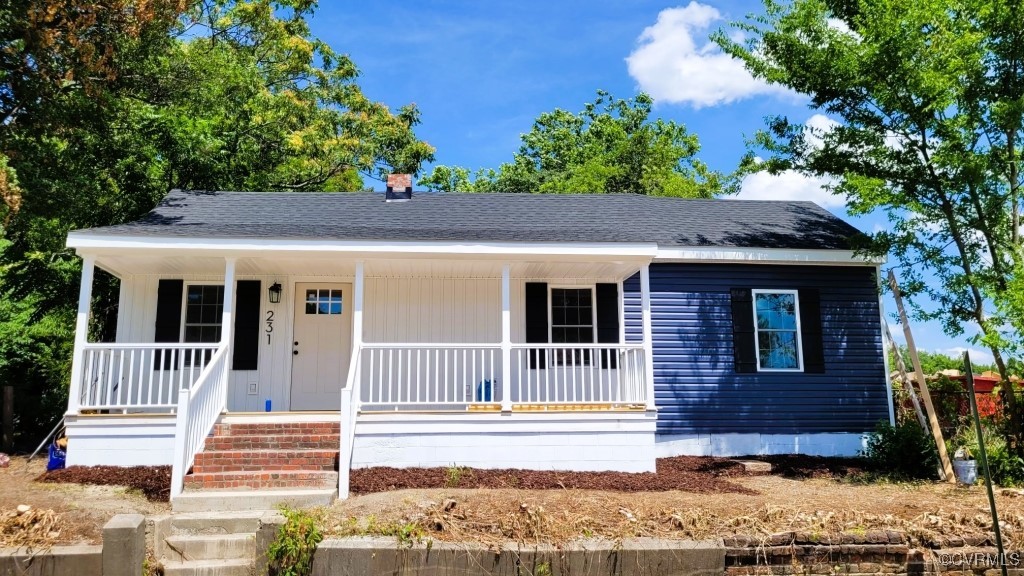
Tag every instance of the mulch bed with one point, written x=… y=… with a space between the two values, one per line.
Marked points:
x=801 y=467
x=686 y=473
x=153 y=481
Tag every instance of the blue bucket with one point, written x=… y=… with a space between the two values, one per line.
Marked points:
x=58 y=458
x=484 y=392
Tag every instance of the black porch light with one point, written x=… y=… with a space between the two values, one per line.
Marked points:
x=275 y=293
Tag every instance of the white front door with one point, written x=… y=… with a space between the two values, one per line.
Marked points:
x=322 y=345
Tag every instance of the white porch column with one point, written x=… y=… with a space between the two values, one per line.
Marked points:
x=357 y=307
x=350 y=397
x=506 y=338
x=227 y=324
x=645 y=307
x=81 y=333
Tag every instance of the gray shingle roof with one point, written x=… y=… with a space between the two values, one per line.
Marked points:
x=670 y=222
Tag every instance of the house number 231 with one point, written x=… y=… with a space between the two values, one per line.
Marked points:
x=270 y=324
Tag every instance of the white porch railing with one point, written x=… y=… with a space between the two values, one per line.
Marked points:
x=140 y=376
x=605 y=374
x=430 y=376
x=458 y=377
x=199 y=407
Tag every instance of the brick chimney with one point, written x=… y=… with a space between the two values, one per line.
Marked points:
x=399 y=188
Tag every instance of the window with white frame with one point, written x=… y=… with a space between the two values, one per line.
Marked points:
x=777 y=330
x=204 y=305
x=572 y=322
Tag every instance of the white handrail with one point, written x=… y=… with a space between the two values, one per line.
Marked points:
x=422 y=346
x=431 y=376
x=125 y=376
x=199 y=407
x=347 y=426
x=147 y=345
x=545 y=346
x=577 y=374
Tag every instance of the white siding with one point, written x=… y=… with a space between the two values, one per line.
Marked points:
x=137 y=323
x=120 y=440
x=599 y=442
x=432 y=310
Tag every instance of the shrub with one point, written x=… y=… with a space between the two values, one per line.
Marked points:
x=291 y=554
x=1006 y=468
x=902 y=452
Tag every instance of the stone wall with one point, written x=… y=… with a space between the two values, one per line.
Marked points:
x=865 y=553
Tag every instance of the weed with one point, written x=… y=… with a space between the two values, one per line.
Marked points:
x=453 y=475
x=291 y=554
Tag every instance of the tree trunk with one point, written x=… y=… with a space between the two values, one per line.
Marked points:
x=7 y=418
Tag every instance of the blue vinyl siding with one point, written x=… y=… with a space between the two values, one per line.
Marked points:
x=697 y=390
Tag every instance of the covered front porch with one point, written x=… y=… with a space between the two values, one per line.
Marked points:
x=497 y=350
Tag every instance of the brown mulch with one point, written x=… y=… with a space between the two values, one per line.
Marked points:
x=704 y=475
x=800 y=467
x=153 y=481
x=686 y=473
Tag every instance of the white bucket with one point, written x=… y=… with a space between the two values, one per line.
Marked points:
x=966 y=471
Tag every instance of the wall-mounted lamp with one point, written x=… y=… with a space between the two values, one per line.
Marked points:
x=275 y=293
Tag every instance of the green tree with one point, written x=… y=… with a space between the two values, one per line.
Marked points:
x=930 y=101
x=610 y=146
x=108 y=104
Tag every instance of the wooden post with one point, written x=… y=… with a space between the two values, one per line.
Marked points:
x=907 y=381
x=946 y=466
x=7 y=442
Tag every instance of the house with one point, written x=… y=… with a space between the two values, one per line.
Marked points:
x=573 y=332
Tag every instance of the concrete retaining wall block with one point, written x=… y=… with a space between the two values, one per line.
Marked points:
x=124 y=545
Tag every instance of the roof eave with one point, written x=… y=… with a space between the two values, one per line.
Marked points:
x=816 y=256
x=84 y=242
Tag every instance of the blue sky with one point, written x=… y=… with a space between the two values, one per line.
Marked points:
x=481 y=72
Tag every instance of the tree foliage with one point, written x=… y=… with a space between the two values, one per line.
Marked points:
x=929 y=95
x=108 y=104
x=612 y=145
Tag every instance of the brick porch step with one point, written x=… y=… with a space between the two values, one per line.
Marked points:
x=262 y=480
x=274 y=442
x=267 y=456
x=257 y=460
x=262 y=429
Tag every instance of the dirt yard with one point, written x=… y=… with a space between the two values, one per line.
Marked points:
x=78 y=512
x=809 y=496
x=931 y=514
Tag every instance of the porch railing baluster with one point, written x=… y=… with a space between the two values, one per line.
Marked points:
x=460 y=377
x=139 y=377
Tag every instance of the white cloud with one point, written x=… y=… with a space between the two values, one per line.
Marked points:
x=792 y=185
x=789 y=185
x=896 y=329
x=978 y=356
x=675 y=62
x=838 y=25
x=815 y=129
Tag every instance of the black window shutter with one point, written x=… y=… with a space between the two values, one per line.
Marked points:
x=744 y=352
x=245 y=355
x=537 y=321
x=608 y=322
x=810 y=331
x=168 y=317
